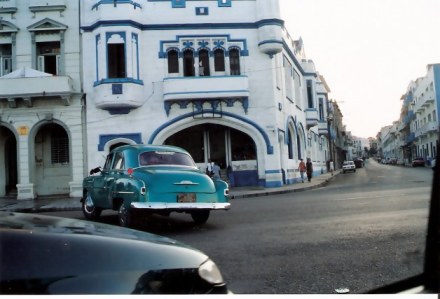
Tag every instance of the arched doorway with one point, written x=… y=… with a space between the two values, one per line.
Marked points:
x=52 y=160
x=8 y=153
x=234 y=151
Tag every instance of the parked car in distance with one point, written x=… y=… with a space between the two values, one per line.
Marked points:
x=419 y=161
x=348 y=166
x=138 y=180
x=52 y=255
x=359 y=163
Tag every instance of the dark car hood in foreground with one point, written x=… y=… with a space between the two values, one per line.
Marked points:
x=51 y=255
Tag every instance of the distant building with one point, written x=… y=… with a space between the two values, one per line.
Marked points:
x=416 y=133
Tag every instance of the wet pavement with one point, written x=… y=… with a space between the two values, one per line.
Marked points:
x=63 y=203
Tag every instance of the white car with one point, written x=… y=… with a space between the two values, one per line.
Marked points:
x=348 y=166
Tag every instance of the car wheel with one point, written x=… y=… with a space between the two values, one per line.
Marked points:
x=200 y=217
x=125 y=216
x=90 y=211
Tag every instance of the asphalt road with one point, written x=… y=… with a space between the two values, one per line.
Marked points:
x=363 y=230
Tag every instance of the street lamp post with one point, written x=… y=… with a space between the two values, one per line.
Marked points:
x=330 y=144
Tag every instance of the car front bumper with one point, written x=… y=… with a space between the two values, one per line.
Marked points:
x=181 y=206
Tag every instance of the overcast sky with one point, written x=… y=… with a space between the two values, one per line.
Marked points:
x=368 y=51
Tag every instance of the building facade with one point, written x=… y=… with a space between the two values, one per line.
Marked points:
x=79 y=78
x=41 y=109
x=416 y=133
x=228 y=86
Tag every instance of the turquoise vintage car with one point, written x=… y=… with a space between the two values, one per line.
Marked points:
x=139 y=180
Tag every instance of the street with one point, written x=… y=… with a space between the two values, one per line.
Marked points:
x=363 y=230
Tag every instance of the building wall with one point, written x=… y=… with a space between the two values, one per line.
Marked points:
x=33 y=103
x=267 y=101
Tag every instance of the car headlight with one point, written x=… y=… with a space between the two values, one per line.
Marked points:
x=210 y=272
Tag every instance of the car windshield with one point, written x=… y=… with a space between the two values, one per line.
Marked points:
x=165 y=158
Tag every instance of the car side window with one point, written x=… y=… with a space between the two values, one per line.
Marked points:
x=118 y=163
x=108 y=161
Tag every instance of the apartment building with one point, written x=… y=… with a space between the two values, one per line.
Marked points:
x=41 y=103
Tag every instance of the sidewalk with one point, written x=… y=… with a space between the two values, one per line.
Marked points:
x=51 y=204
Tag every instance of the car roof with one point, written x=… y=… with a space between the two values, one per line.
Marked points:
x=150 y=147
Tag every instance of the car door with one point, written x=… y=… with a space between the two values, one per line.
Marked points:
x=100 y=182
x=116 y=171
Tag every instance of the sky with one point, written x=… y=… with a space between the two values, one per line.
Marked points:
x=368 y=52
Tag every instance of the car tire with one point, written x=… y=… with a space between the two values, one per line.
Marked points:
x=125 y=216
x=200 y=217
x=90 y=211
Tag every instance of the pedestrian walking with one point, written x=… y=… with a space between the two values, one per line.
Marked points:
x=215 y=171
x=209 y=168
x=309 y=169
x=302 y=169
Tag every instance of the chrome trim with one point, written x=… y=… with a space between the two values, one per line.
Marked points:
x=181 y=206
x=185 y=183
x=123 y=192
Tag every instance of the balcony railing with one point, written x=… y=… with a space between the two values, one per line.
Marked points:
x=322 y=128
x=429 y=127
x=29 y=89
x=105 y=10
x=182 y=90
x=8 y=6
x=45 y=5
x=119 y=96
x=312 y=117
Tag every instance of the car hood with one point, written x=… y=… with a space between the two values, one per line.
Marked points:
x=170 y=179
x=70 y=252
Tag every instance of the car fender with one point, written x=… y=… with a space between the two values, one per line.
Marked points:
x=126 y=190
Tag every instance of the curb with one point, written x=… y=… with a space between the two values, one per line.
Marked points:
x=49 y=206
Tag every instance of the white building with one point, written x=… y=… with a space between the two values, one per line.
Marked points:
x=222 y=79
x=41 y=111
x=426 y=106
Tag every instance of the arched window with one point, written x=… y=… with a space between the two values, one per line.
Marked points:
x=173 y=61
x=219 y=60
x=204 y=63
x=234 y=61
x=290 y=143
x=116 y=56
x=188 y=63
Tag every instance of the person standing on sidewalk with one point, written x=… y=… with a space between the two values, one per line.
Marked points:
x=302 y=169
x=309 y=169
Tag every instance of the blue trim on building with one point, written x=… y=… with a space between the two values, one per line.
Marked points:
x=117 y=80
x=202 y=11
x=243 y=51
x=210 y=26
x=97 y=40
x=136 y=38
x=436 y=71
x=103 y=139
x=178 y=3
x=115 y=3
x=269 y=147
x=224 y=3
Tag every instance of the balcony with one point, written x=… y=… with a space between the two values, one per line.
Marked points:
x=429 y=127
x=410 y=138
x=118 y=96
x=47 y=5
x=322 y=128
x=183 y=90
x=105 y=10
x=311 y=117
x=29 y=89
